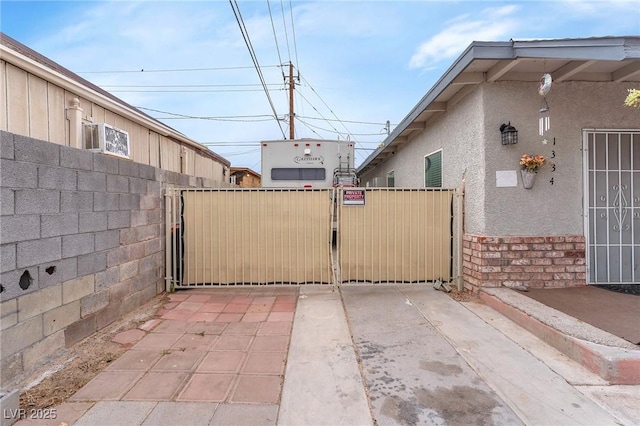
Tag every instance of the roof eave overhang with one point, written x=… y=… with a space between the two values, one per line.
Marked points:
x=592 y=49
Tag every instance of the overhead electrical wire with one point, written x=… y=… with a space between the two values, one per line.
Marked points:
x=245 y=36
x=172 y=70
x=261 y=117
x=293 y=32
x=275 y=37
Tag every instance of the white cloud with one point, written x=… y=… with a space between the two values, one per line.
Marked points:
x=493 y=24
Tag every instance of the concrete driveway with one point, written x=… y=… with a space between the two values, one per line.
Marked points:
x=358 y=355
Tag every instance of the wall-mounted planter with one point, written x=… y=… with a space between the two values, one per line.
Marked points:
x=528 y=178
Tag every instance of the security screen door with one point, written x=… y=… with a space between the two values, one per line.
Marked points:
x=612 y=214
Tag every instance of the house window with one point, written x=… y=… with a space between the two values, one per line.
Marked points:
x=391 y=180
x=433 y=170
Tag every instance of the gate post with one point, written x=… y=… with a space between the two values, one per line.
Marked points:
x=168 y=244
x=458 y=217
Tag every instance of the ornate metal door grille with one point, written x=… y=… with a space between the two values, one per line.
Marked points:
x=612 y=206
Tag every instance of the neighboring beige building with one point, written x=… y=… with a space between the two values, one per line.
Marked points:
x=43 y=100
x=244 y=177
x=580 y=223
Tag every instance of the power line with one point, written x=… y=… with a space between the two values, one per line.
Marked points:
x=293 y=31
x=245 y=36
x=187 y=85
x=261 y=117
x=333 y=131
x=172 y=70
x=273 y=28
x=329 y=108
x=286 y=33
x=190 y=91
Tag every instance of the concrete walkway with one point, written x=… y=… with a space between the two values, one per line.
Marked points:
x=373 y=354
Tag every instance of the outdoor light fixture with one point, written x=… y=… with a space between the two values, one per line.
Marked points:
x=509 y=134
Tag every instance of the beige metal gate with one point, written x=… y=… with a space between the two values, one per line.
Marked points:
x=395 y=235
x=285 y=236
x=249 y=236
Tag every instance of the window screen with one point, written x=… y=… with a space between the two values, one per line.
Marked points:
x=433 y=170
x=291 y=173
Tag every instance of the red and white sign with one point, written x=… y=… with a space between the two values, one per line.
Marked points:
x=353 y=197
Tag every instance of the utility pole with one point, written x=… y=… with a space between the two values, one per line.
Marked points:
x=291 y=114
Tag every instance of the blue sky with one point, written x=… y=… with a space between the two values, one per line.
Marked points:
x=361 y=63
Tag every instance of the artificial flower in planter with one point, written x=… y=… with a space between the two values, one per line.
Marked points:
x=529 y=165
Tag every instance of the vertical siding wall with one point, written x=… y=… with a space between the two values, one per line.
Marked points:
x=82 y=243
x=34 y=107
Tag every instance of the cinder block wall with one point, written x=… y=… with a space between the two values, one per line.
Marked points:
x=81 y=244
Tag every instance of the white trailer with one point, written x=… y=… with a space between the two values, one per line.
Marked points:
x=307 y=163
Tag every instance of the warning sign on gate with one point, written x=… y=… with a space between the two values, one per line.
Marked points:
x=353 y=197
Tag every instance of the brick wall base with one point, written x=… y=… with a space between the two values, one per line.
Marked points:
x=537 y=262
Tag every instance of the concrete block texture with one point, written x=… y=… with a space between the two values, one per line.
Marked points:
x=37 y=201
x=57 y=178
x=74 y=158
x=129 y=270
x=7 y=201
x=105 y=163
x=92 y=181
x=34 y=355
x=139 y=217
x=104 y=201
x=53 y=225
x=50 y=274
x=7 y=257
x=77 y=289
x=76 y=201
x=80 y=329
x=18 y=282
x=33 y=304
x=118 y=219
x=58 y=318
x=129 y=201
x=6 y=145
x=14 y=174
x=137 y=186
x=77 y=244
x=149 y=232
x=147 y=172
x=107 y=240
x=8 y=313
x=10 y=367
x=69 y=268
x=92 y=222
x=150 y=202
x=35 y=151
x=19 y=228
x=117 y=183
x=94 y=302
x=40 y=251
x=154 y=188
x=20 y=336
x=128 y=168
x=92 y=263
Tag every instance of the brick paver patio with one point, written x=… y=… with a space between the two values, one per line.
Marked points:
x=205 y=345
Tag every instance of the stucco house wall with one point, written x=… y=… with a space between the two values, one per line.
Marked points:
x=459 y=133
x=546 y=209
